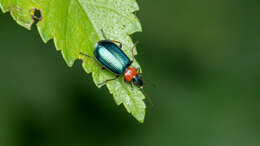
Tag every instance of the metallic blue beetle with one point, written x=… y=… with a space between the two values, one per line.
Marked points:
x=112 y=58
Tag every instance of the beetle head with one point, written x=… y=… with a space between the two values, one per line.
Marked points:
x=138 y=80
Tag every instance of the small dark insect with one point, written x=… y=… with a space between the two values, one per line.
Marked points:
x=112 y=58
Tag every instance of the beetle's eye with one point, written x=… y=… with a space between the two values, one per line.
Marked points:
x=134 y=80
x=137 y=80
x=140 y=82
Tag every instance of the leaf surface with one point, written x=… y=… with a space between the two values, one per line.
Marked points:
x=75 y=26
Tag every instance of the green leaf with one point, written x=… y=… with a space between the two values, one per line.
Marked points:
x=75 y=26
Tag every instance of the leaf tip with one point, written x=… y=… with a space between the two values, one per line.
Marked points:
x=140 y=118
x=68 y=59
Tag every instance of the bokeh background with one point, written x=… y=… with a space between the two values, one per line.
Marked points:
x=204 y=57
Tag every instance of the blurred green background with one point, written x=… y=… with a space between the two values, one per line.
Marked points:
x=204 y=57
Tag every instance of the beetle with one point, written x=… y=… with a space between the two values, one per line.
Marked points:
x=112 y=58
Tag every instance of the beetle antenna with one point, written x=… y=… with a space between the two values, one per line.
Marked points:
x=150 y=82
x=87 y=56
x=103 y=33
x=150 y=100
x=90 y=58
x=133 y=55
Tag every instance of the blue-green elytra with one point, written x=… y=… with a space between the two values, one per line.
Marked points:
x=111 y=56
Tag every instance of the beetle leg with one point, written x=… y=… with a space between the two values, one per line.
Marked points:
x=133 y=55
x=120 y=44
x=89 y=57
x=108 y=80
x=138 y=70
x=86 y=55
x=102 y=68
x=103 y=33
x=132 y=86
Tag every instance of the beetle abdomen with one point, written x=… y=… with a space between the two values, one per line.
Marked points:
x=111 y=57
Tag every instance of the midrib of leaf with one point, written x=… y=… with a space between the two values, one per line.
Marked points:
x=131 y=98
x=82 y=9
